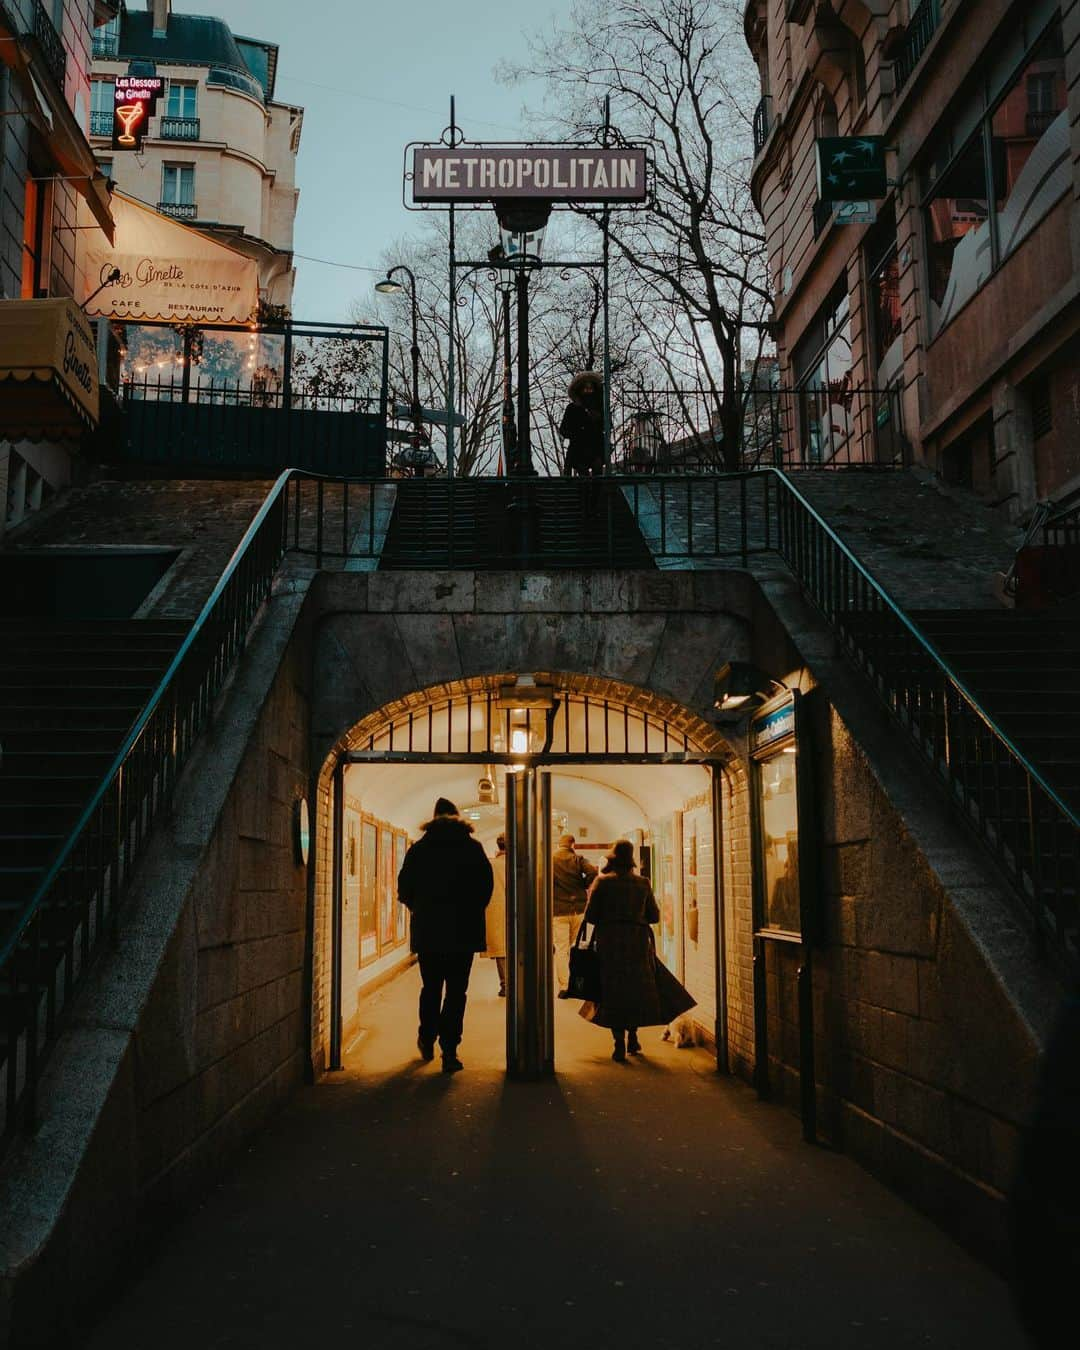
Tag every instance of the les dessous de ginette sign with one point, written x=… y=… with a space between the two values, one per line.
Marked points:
x=563 y=173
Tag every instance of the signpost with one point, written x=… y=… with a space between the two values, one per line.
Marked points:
x=553 y=173
x=851 y=168
x=134 y=102
x=855 y=213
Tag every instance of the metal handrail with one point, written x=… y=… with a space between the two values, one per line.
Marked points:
x=928 y=646
x=835 y=580
x=152 y=704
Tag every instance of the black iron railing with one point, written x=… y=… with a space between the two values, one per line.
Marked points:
x=762 y=123
x=815 y=426
x=101 y=124
x=179 y=128
x=103 y=45
x=1062 y=526
x=1033 y=834
x=179 y=210
x=915 y=41
x=76 y=906
x=1027 y=826
x=50 y=42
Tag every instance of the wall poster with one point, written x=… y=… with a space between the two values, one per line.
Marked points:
x=369 y=925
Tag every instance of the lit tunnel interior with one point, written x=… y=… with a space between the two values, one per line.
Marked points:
x=664 y=809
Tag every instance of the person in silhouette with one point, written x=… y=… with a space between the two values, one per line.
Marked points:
x=571 y=876
x=582 y=426
x=445 y=883
x=495 y=915
x=636 y=989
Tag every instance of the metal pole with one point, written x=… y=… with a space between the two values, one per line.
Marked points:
x=607 y=311
x=418 y=421
x=450 y=392
x=509 y=430
x=337 y=914
x=524 y=438
x=527 y=964
x=545 y=1003
x=720 y=954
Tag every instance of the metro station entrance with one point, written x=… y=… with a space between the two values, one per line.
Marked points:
x=532 y=759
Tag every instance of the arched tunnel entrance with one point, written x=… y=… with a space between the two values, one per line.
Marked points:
x=533 y=757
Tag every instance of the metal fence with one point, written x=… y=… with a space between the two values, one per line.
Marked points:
x=812 y=427
x=257 y=398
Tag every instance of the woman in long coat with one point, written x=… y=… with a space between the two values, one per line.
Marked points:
x=635 y=989
x=495 y=916
x=582 y=426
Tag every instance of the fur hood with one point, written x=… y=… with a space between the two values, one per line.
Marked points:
x=446 y=828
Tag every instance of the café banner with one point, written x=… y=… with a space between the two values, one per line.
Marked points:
x=167 y=272
x=477 y=173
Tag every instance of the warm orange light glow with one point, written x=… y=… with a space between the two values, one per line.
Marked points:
x=130 y=114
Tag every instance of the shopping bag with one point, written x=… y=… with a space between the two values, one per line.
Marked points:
x=584 y=966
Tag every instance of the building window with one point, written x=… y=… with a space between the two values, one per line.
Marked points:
x=105 y=41
x=102 y=98
x=178 y=185
x=986 y=191
x=821 y=363
x=858 y=74
x=883 y=287
x=1042 y=409
x=182 y=100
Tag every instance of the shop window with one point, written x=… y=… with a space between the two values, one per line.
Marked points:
x=779 y=845
x=996 y=171
x=182 y=99
x=178 y=184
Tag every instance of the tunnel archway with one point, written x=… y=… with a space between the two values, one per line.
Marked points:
x=609 y=739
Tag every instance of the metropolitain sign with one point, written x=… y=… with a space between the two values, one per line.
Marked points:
x=479 y=173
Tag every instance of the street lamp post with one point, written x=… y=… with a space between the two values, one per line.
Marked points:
x=505 y=283
x=388 y=286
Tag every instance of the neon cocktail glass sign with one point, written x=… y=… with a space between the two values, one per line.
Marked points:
x=129 y=115
x=135 y=98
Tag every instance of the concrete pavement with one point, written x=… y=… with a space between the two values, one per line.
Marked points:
x=648 y=1205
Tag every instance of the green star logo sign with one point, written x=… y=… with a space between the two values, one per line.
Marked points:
x=851 y=167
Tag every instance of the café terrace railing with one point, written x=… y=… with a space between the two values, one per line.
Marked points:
x=999 y=794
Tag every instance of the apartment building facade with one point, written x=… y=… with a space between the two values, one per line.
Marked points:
x=48 y=388
x=220 y=153
x=945 y=331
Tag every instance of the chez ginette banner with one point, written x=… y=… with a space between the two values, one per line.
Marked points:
x=167 y=271
x=565 y=173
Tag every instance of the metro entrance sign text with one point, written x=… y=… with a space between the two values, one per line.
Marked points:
x=477 y=173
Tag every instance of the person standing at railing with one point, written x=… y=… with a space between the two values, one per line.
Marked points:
x=582 y=426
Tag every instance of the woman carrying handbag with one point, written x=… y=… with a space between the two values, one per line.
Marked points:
x=635 y=988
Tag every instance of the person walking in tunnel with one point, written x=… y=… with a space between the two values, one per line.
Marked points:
x=636 y=989
x=495 y=915
x=445 y=882
x=571 y=877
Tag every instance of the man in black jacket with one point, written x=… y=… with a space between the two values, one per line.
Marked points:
x=445 y=882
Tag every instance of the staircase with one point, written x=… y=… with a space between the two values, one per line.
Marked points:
x=69 y=692
x=1024 y=670
x=477 y=524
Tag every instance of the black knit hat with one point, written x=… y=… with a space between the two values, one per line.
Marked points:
x=445 y=807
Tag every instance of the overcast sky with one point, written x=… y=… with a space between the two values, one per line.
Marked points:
x=373 y=75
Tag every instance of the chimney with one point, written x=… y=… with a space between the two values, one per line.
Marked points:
x=160 y=9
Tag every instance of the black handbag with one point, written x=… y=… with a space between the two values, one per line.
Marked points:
x=584 y=967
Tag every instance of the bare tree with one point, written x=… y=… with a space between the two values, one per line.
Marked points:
x=678 y=77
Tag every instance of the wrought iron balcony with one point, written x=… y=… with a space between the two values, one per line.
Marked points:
x=762 y=123
x=104 y=46
x=101 y=124
x=179 y=210
x=50 y=42
x=916 y=39
x=179 y=129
